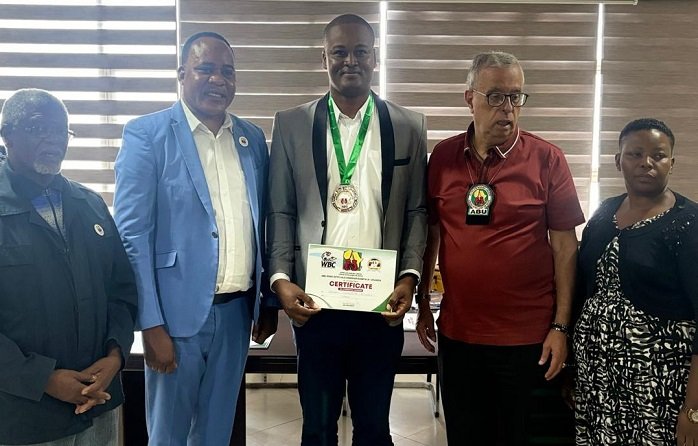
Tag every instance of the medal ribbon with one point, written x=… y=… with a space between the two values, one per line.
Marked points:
x=347 y=170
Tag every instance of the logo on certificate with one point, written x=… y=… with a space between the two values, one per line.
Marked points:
x=374 y=264
x=350 y=278
x=352 y=260
x=327 y=260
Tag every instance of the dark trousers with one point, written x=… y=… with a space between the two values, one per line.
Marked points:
x=352 y=351
x=486 y=391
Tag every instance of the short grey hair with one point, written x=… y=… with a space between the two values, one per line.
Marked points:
x=489 y=59
x=22 y=101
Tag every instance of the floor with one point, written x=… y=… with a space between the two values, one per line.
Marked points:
x=274 y=415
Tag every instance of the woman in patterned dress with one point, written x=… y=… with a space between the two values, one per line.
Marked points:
x=637 y=376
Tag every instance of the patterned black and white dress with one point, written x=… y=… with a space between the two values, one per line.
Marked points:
x=632 y=366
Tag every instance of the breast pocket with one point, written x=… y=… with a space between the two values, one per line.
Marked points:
x=15 y=256
x=401 y=173
x=18 y=280
x=402 y=161
x=99 y=237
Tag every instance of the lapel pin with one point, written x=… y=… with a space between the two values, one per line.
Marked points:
x=99 y=230
x=243 y=141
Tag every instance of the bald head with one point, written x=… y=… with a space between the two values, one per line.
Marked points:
x=23 y=102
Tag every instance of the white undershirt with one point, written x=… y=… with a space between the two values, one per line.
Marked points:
x=231 y=207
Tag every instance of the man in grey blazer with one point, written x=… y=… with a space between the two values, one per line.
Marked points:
x=386 y=209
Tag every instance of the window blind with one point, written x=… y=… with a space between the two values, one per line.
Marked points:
x=430 y=46
x=648 y=71
x=277 y=47
x=108 y=61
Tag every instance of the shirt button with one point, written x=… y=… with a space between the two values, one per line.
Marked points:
x=214 y=234
x=322 y=223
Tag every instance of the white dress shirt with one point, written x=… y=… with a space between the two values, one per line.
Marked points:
x=362 y=226
x=231 y=206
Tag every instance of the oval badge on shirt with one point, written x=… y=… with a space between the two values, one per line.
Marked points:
x=99 y=230
x=243 y=141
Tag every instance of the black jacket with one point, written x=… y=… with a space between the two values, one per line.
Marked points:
x=60 y=304
x=658 y=264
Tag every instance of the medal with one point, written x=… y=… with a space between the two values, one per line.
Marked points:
x=479 y=200
x=345 y=198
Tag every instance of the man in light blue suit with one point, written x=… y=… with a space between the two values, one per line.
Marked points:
x=190 y=182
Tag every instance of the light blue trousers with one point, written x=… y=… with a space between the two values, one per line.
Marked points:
x=195 y=405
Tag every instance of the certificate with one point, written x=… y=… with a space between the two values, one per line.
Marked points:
x=343 y=278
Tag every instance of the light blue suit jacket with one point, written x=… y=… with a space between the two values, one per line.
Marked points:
x=164 y=214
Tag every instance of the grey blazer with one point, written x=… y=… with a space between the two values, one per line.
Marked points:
x=298 y=185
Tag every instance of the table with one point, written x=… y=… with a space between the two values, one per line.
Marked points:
x=280 y=357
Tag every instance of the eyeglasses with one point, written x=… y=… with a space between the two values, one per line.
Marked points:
x=497 y=99
x=44 y=131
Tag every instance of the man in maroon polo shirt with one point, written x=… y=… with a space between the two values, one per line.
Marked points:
x=502 y=213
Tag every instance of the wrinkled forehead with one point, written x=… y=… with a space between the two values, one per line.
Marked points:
x=210 y=50
x=32 y=111
x=511 y=76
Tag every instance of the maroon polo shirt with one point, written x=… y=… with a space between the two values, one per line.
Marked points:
x=498 y=278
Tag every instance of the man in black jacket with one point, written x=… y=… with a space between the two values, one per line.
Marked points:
x=67 y=292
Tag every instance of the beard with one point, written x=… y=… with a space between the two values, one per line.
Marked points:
x=47 y=168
